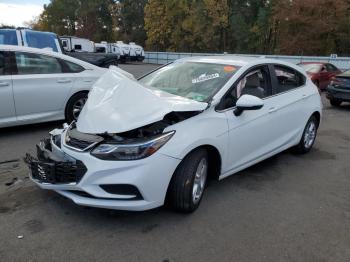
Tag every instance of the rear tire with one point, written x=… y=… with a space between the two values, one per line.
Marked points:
x=335 y=102
x=188 y=183
x=75 y=105
x=309 y=136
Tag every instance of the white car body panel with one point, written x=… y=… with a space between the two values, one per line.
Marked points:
x=7 y=104
x=241 y=141
x=42 y=97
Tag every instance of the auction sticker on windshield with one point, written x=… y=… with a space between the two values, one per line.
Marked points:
x=205 y=77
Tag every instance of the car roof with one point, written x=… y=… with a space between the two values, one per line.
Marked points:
x=15 y=48
x=310 y=63
x=236 y=60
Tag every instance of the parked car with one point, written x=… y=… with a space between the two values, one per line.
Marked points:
x=37 y=85
x=139 y=143
x=320 y=73
x=339 y=89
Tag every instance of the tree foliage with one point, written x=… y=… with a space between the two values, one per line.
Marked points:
x=309 y=27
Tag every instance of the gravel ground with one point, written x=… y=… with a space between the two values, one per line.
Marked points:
x=287 y=208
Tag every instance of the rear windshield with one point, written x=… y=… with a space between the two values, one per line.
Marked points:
x=8 y=37
x=193 y=80
x=311 y=68
x=41 y=40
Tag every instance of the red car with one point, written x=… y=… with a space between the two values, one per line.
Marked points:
x=320 y=73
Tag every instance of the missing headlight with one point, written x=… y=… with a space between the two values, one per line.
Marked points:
x=131 y=151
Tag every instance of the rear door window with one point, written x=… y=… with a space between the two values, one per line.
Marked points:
x=30 y=63
x=70 y=67
x=331 y=68
x=287 y=79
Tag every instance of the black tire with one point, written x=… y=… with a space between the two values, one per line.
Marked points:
x=113 y=63
x=181 y=188
x=304 y=147
x=71 y=113
x=335 y=102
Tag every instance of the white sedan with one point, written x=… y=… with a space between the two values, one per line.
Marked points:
x=140 y=143
x=38 y=85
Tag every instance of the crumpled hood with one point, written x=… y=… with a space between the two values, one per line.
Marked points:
x=118 y=103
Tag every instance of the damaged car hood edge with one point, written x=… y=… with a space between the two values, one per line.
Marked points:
x=118 y=103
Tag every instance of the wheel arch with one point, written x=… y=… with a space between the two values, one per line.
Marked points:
x=84 y=91
x=214 y=167
x=214 y=159
x=317 y=114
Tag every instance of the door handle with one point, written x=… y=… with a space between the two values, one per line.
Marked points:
x=273 y=109
x=64 y=81
x=4 y=84
x=303 y=96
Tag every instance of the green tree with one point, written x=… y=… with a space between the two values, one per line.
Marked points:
x=90 y=18
x=304 y=29
x=129 y=20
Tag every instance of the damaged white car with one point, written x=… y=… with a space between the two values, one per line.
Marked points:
x=139 y=144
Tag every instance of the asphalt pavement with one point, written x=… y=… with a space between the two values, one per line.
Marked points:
x=287 y=208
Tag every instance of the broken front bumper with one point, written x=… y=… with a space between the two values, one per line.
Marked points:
x=53 y=169
x=86 y=180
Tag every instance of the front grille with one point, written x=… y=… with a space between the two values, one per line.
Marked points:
x=58 y=172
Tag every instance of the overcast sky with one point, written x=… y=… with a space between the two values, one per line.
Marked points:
x=16 y=12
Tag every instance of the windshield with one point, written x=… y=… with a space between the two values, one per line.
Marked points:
x=193 y=80
x=311 y=68
x=8 y=37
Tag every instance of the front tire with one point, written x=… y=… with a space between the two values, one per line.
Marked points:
x=309 y=136
x=188 y=183
x=74 y=106
x=335 y=102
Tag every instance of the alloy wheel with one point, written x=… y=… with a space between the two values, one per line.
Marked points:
x=199 y=180
x=78 y=106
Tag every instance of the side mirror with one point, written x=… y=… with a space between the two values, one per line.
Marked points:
x=248 y=102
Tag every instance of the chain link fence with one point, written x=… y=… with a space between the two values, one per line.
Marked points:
x=161 y=58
